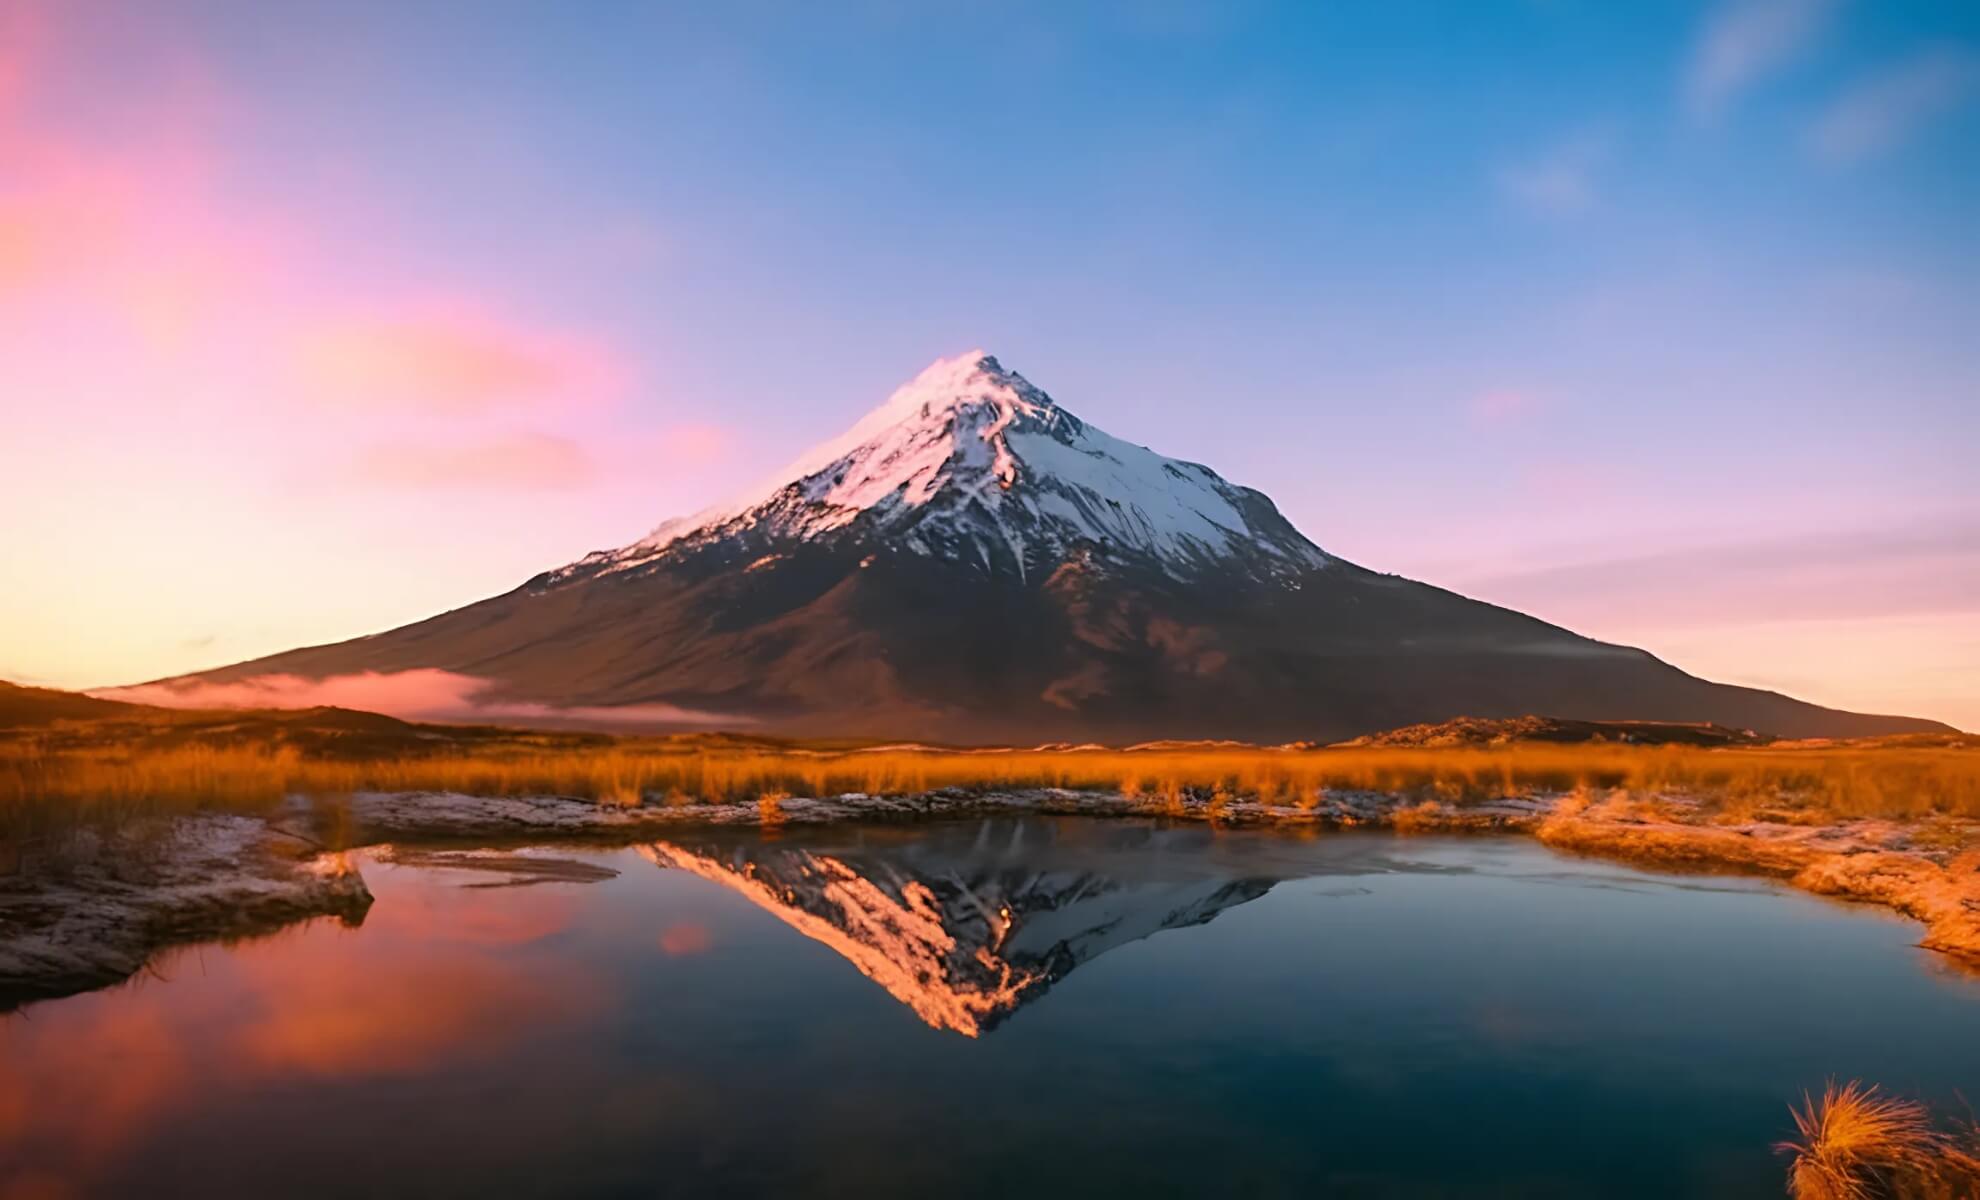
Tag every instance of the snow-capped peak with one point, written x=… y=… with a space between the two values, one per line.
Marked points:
x=970 y=460
x=948 y=424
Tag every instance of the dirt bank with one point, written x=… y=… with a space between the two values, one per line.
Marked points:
x=1930 y=873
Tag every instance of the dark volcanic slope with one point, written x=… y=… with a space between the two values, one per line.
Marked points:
x=22 y=705
x=816 y=643
x=975 y=564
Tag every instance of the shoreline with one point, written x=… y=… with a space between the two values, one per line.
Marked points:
x=206 y=877
x=221 y=877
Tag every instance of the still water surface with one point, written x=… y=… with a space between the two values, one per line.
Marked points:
x=997 y=1008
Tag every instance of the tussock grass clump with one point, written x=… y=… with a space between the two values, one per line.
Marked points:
x=1857 y=1143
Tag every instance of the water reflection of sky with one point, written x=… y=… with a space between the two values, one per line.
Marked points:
x=1392 y=1015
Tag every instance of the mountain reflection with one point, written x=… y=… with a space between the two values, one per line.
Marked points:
x=967 y=923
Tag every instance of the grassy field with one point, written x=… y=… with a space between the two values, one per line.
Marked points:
x=105 y=772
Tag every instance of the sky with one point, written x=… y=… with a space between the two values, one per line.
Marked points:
x=1660 y=321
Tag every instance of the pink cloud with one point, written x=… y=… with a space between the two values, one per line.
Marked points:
x=119 y=232
x=682 y=449
x=106 y=202
x=533 y=461
x=696 y=443
x=449 y=360
x=181 y=330
x=421 y=694
x=1926 y=566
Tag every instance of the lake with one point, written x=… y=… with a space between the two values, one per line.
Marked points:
x=991 y=1008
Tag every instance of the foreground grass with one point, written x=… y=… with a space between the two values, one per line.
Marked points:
x=1856 y=1143
x=107 y=775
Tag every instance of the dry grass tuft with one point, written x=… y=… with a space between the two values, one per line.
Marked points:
x=1857 y=1143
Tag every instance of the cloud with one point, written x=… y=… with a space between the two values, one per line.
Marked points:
x=1881 y=111
x=121 y=230
x=451 y=360
x=1918 y=664
x=525 y=461
x=1930 y=566
x=420 y=694
x=1875 y=619
x=694 y=443
x=1742 y=42
x=539 y=462
x=1561 y=183
x=124 y=221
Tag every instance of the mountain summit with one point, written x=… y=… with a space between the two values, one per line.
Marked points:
x=971 y=562
x=969 y=462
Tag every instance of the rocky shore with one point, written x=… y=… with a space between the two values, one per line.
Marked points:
x=1930 y=873
x=217 y=877
x=101 y=913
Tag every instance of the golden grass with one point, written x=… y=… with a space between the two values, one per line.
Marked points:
x=51 y=783
x=1856 y=1143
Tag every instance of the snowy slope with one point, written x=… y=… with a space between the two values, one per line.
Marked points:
x=969 y=461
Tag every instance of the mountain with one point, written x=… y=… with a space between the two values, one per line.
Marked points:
x=969 y=923
x=972 y=562
x=971 y=465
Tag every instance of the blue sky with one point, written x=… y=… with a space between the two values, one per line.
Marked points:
x=1586 y=308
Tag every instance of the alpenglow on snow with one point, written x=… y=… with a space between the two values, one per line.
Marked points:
x=970 y=461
